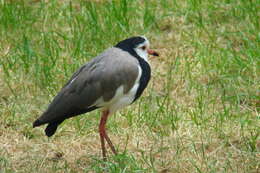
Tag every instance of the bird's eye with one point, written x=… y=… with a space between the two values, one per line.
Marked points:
x=143 y=47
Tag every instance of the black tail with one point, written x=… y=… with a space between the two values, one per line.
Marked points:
x=51 y=128
x=37 y=123
x=53 y=124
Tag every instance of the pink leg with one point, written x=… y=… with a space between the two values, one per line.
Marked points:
x=103 y=134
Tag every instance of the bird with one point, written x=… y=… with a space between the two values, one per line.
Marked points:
x=112 y=80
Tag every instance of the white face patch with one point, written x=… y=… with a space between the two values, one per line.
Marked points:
x=142 y=48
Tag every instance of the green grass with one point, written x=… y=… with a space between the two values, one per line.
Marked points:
x=200 y=113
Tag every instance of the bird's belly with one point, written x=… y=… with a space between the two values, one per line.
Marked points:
x=124 y=100
x=120 y=99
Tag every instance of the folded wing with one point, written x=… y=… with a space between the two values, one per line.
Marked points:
x=98 y=78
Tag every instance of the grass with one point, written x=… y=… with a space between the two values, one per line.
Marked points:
x=200 y=112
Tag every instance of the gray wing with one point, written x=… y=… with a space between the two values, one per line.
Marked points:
x=98 y=78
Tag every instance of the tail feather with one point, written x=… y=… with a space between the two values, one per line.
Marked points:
x=37 y=123
x=53 y=120
x=51 y=128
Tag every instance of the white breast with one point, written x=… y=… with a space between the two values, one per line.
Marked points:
x=120 y=98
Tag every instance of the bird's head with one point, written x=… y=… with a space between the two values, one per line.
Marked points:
x=137 y=46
